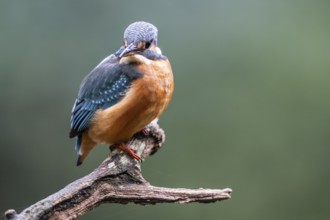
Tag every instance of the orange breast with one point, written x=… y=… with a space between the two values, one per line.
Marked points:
x=146 y=100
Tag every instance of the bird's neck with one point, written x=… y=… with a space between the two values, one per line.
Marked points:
x=146 y=56
x=135 y=58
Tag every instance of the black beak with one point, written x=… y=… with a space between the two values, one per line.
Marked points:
x=128 y=49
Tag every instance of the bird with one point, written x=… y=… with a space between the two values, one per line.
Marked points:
x=123 y=94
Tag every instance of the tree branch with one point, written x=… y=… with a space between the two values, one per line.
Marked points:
x=117 y=180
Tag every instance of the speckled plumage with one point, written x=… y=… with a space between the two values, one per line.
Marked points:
x=103 y=87
x=124 y=93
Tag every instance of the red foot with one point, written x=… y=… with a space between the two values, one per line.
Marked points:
x=144 y=132
x=129 y=151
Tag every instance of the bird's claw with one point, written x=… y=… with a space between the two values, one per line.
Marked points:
x=130 y=152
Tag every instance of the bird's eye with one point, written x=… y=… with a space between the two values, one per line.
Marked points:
x=147 y=45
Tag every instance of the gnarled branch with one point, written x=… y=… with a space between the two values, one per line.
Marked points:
x=117 y=180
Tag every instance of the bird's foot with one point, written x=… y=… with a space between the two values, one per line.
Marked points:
x=128 y=150
x=143 y=133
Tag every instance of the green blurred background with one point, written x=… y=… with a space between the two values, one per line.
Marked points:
x=251 y=108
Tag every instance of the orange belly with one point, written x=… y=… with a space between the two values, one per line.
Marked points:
x=145 y=101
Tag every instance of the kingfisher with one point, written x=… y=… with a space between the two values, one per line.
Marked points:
x=123 y=93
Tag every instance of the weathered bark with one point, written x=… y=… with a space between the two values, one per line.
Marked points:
x=117 y=180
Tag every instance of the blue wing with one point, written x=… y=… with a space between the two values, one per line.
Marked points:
x=105 y=86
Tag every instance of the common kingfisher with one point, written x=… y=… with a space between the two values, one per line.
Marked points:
x=123 y=93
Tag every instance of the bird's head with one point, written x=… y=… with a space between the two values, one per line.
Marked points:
x=139 y=36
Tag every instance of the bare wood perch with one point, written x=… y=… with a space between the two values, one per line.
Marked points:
x=117 y=180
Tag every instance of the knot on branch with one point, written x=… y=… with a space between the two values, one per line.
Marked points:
x=10 y=214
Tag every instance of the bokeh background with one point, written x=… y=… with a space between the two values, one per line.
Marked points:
x=251 y=108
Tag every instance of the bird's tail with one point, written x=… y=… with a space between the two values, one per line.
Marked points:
x=83 y=146
x=78 y=144
x=79 y=161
